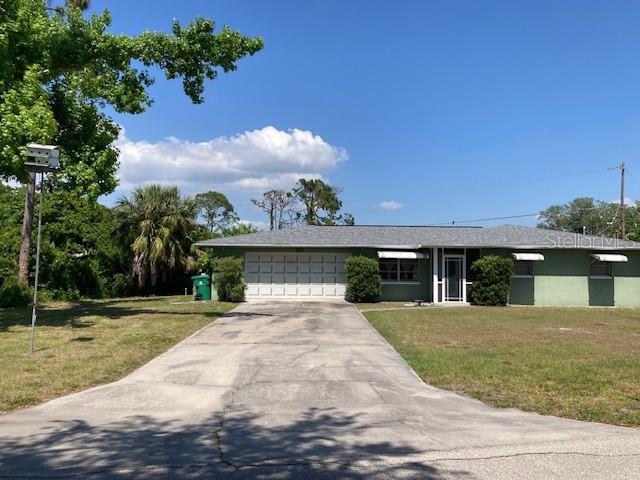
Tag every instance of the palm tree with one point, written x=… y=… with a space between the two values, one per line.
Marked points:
x=158 y=226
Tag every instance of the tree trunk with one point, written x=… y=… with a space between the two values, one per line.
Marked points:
x=27 y=227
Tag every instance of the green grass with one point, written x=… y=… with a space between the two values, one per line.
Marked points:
x=82 y=345
x=575 y=363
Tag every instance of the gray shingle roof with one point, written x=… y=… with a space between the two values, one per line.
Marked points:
x=387 y=236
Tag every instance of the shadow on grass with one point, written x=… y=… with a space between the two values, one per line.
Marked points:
x=321 y=444
x=73 y=315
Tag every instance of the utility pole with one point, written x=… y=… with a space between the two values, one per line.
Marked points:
x=621 y=212
x=622 y=225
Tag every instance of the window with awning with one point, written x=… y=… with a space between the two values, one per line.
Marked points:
x=609 y=257
x=402 y=254
x=528 y=257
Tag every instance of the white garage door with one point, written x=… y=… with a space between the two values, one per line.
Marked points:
x=295 y=274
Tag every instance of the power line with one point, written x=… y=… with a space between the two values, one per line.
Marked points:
x=507 y=217
x=455 y=222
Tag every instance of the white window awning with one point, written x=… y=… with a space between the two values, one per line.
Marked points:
x=531 y=257
x=406 y=255
x=609 y=257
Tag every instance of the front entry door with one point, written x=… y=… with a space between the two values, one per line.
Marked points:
x=453 y=278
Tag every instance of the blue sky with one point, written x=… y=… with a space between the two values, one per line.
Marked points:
x=455 y=110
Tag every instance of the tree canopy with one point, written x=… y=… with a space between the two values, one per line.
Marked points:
x=59 y=69
x=320 y=203
x=581 y=214
x=217 y=211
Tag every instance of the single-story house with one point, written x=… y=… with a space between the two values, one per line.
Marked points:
x=433 y=263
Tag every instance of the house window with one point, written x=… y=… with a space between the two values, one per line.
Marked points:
x=399 y=270
x=523 y=268
x=600 y=269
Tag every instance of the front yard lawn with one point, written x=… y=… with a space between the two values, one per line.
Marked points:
x=576 y=363
x=82 y=345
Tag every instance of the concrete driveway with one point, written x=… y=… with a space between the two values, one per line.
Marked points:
x=297 y=390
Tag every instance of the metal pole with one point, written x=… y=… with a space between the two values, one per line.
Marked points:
x=622 y=212
x=35 y=284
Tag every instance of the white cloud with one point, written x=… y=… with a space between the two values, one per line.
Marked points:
x=247 y=162
x=389 y=205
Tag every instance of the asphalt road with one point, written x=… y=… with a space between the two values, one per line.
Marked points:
x=297 y=390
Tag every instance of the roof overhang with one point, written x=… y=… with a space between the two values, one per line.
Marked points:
x=401 y=254
x=530 y=257
x=609 y=257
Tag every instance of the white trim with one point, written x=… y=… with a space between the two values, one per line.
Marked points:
x=609 y=257
x=452 y=256
x=529 y=257
x=403 y=255
x=464 y=276
x=521 y=276
x=435 y=285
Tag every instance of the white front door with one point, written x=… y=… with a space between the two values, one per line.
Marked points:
x=295 y=275
x=454 y=278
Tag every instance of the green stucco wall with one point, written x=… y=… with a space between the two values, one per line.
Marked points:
x=626 y=281
x=521 y=292
x=562 y=279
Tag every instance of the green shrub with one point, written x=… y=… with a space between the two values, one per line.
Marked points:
x=228 y=280
x=491 y=280
x=363 y=279
x=14 y=293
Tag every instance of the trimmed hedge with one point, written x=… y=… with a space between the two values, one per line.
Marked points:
x=363 y=279
x=491 y=280
x=228 y=280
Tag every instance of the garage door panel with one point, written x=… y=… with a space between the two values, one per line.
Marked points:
x=278 y=290
x=278 y=267
x=252 y=289
x=341 y=278
x=316 y=278
x=291 y=268
x=304 y=279
x=253 y=267
x=291 y=290
x=341 y=290
x=316 y=268
x=304 y=290
x=304 y=267
x=265 y=267
x=329 y=290
x=329 y=279
x=329 y=268
x=264 y=278
x=264 y=290
x=278 y=258
x=317 y=290
x=316 y=258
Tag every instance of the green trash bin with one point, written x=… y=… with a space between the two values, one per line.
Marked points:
x=201 y=287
